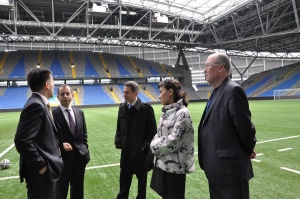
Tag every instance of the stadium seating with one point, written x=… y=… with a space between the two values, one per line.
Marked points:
x=81 y=65
x=94 y=94
x=266 y=82
x=13 y=97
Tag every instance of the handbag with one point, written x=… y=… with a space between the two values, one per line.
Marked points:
x=158 y=183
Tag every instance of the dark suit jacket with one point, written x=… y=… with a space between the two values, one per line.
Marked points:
x=79 y=141
x=135 y=130
x=37 y=141
x=227 y=136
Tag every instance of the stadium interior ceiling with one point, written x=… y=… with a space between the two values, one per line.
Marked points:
x=257 y=28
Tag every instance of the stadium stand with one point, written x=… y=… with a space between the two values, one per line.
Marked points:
x=122 y=70
x=90 y=70
x=13 y=97
x=95 y=60
x=94 y=94
x=74 y=68
x=56 y=68
x=263 y=84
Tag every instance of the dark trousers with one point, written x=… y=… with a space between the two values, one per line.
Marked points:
x=229 y=191
x=73 y=175
x=39 y=187
x=125 y=183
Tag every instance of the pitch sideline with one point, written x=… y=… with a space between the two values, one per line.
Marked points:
x=116 y=164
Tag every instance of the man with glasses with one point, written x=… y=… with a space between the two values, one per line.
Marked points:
x=226 y=135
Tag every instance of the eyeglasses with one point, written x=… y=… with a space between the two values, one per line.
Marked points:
x=210 y=64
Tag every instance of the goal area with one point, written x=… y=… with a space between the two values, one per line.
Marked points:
x=293 y=93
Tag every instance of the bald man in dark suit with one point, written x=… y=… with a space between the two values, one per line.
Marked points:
x=226 y=134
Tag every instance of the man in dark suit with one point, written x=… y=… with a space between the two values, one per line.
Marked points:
x=74 y=146
x=136 y=126
x=226 y=134
x=36 y=139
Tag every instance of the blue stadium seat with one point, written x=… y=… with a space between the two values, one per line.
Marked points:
x=19 y=70
x=90 y=70
x=56 y=68
x=122 y=70
x=94 y=94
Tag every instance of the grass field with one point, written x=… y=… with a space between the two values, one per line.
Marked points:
x=277 y=127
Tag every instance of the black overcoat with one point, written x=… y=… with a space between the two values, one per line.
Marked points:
x=135 y=129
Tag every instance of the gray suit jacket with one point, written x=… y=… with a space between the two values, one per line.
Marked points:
x=226 y=136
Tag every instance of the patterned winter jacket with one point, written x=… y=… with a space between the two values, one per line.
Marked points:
x=173 y=145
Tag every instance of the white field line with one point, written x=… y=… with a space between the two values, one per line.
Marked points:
x=286 y=149
x=6 y=150
x=256 y=160
x=259 y=154
x=87 y=168
x=291 y=170
x=116 y=164
x=102 y=166
x=285 y=138
x=11 y=177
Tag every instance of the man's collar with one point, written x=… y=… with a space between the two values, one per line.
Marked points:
x=43 y=97
x=133 y=102
x=64 y=108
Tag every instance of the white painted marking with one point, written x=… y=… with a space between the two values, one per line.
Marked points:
x=286 y=149
x=103 y=166
x=11 y=177
x=117 y=164
x=291 y=170
x=6 y=150
x=285 y=138
x=255 y=160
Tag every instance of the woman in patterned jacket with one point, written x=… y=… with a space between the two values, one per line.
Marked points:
x=173 y=145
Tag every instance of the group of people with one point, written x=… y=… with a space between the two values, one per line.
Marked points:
x=54 y=151
x=52 y=143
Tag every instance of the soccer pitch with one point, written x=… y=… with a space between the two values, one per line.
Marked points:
x=276 y=168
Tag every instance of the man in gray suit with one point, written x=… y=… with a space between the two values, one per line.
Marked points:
x=74 y=147
x=226 y=135
x=36 y=139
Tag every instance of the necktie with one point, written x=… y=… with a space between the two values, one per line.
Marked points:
x=49 y=108
x=129 y=106
x=208 y=102
x=71 y=122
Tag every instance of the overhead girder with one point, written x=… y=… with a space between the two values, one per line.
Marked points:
x=232 y=31
x=265 y=26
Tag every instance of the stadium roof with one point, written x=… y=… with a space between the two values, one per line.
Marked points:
x=198 y=10
x=238 y=27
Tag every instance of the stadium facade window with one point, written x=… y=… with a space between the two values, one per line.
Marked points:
x=59 y=82
x=89 y=81
x=18 y=83
x=105 y=81
x=153 y=80
x=74 y=81
x=3 y=83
